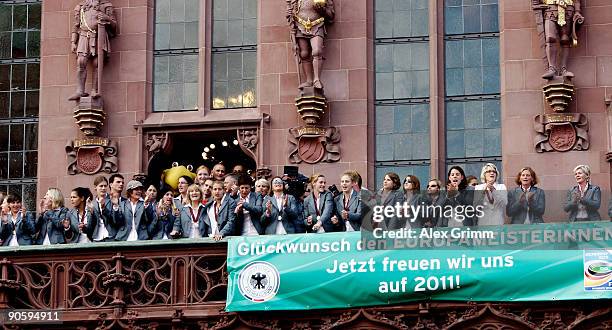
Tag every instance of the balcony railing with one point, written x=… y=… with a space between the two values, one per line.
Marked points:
x=182 y=284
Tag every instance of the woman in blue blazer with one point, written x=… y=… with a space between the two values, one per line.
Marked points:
x=166 y=216
x=584 y=199
x=192 y=220
x=81 y=215
x=53 y=225
x=348 y=204
x=17 y=225
x=220 y=210
x=526 y=203
x=136 y=215
x=279 y=211
x=319 y=208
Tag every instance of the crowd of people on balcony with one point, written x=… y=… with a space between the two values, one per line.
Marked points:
x=217 y=205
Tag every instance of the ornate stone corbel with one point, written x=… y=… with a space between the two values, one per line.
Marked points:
x=89 y=115
x=263 y=172
x=248 y=140
x=91 y=155
x=156 y=143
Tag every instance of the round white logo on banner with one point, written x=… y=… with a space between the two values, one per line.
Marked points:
x=259 y=281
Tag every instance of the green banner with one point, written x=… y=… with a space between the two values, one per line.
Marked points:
x=334 y=270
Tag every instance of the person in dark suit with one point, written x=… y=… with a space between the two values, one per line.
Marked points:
x=248 y=209
x=219 y=217
x=279 y=211
x=17 y=225
x=458 y=196
x=348 y=204
x=584 y=199
x=81 y=215
x=53 y=225
x=116 y=182
x=106 y=228
x=192 y=221
x=319 y=207
x=390 y=195
x=526 y=203
x=412 y=197
x=137 y=216
x=230 y=184
x=434 y=200
x=166 y=216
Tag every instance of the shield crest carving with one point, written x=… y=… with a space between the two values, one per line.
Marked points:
x=311 y=149
x=562 y=137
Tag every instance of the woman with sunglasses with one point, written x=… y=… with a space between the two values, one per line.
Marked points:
x=491 y=196
x=412 y=197
x=435 y=198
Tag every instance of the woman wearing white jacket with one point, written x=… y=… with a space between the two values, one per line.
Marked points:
x=491 y=196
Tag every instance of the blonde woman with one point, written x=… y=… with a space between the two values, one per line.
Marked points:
x=191 y=223
x=584 y=199
x=53 y=225
x=262 y=186
x=492 y=196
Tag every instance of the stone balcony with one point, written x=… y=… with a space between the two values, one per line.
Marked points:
x=182 y=285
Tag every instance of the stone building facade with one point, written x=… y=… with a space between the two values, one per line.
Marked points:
x=403 y=89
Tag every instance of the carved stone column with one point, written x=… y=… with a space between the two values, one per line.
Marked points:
x=609 y=120
x=7 y=287
x=119 y=282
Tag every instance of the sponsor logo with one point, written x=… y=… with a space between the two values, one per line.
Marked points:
x=598 y=270
x=259 y=281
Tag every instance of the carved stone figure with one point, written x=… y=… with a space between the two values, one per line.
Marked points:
x=94 y=23
x=248 y=138
x=308 y=19
x=559 y=19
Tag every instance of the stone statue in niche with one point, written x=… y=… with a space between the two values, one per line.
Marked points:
x=558 y=21
x=94 y=23
x=308 y=20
